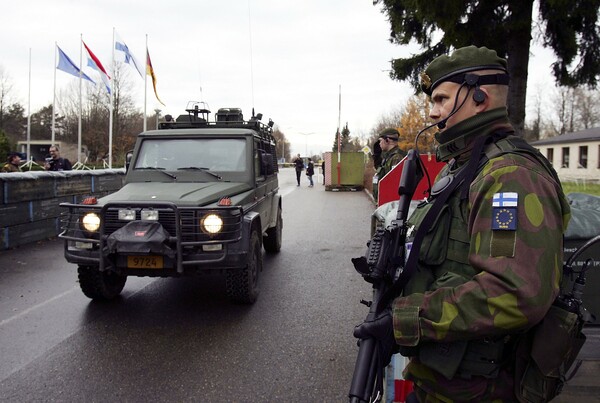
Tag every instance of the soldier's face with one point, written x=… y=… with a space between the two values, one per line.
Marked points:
x=385 y=144
x=443 y=98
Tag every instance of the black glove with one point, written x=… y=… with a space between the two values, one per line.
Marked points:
x=382 y=329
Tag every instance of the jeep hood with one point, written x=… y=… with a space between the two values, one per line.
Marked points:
x=190 y=194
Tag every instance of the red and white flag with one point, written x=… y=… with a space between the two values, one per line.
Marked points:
x=94 y=63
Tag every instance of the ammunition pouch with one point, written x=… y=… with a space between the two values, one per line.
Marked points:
x=465 y=359
x=545 y=354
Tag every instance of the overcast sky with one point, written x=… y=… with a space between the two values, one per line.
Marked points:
x=286 y=59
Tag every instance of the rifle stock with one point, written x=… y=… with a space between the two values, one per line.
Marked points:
x=385 y=256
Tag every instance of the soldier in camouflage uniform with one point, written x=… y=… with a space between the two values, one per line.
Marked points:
x=490 y=265
x=391 y=155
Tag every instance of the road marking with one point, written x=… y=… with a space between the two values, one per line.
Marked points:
x=33 y=308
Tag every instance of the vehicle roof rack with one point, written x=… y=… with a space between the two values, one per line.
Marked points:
x=198 y=116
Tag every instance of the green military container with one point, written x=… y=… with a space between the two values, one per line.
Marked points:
x=351 y=171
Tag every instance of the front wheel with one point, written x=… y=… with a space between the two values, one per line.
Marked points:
x=242 y=284
x=100 y=285
x=272 y=241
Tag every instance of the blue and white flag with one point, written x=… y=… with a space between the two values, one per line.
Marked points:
x=66 y=64
x=505 y=199
x=124 y=54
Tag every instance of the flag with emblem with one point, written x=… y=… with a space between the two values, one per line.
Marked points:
x=504 y=211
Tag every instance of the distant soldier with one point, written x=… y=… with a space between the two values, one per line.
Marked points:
x=391 y=155
x=490 y=258
x=12 y=163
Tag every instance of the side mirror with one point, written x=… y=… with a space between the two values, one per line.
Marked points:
x=128 y=158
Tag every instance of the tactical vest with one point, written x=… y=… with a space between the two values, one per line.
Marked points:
x=444 y=262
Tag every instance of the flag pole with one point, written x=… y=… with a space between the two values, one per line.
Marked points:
x=54 y=96
x=145 y=84
x=339 y=163
x=111 y=105
x=29 y=112
x=80 y=99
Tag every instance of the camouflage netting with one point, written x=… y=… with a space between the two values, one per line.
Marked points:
x=585 y=216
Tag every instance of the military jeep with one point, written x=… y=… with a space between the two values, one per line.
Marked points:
x=198 y=197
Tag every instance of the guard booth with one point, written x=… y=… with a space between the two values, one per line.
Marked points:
x=349 y=174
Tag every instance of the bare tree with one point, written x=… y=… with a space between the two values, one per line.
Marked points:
x=5 y=94
x=283 y=146
x=95 y=116
x=587 y=109
x=127 y=120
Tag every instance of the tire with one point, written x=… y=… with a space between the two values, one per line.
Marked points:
x=272 y=241
x=242 y=284
x=100 y=286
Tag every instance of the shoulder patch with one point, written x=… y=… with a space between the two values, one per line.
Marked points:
x=505 y=199
x=504 y=211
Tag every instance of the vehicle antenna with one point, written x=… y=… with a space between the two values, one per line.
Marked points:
x=251 y=62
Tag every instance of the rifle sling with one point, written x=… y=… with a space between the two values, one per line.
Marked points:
x=465 y=175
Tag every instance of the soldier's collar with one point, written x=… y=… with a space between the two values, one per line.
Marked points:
x=458 y=139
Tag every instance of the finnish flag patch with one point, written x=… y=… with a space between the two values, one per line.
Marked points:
x=504 y=211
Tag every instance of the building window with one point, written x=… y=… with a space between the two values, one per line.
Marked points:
x=565 y=157
x=583 y=157
x=550 y=155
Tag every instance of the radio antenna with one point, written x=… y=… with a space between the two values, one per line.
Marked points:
x=251 y=61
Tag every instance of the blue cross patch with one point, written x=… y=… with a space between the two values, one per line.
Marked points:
x=504 y=211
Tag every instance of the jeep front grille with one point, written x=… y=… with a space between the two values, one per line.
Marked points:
x=188 y=231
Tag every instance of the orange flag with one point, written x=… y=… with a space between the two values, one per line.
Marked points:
x=150 y=72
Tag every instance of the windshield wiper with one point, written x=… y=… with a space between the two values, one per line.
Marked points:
x=159 y=169
x=204 y=169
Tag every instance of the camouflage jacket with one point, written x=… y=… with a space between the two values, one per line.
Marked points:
x=8 y=167
x=488 y=268
x=388 y=160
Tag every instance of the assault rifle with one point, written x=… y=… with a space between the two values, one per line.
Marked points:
x=383 y=262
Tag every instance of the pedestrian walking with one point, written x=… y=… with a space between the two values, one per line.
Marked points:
x=310 y=171
x=299 y=165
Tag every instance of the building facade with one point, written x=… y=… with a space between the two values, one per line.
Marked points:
x=575 y=156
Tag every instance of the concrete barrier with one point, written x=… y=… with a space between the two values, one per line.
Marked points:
x=29 y=201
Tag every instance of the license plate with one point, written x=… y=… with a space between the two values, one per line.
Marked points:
x=144 y=262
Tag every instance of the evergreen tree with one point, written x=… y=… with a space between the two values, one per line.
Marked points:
x=570 y=28
x=5 y=147
x=346 y=142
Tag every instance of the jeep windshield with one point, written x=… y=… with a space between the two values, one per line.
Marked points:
x=197 y=154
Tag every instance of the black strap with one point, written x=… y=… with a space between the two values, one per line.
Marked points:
x=465 y=175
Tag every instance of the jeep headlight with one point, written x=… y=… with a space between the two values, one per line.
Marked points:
x=211 y=223
x=90 y=222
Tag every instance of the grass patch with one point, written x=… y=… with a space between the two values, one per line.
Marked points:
x=574 y=187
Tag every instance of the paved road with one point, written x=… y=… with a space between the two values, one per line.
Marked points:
x=181 y=340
